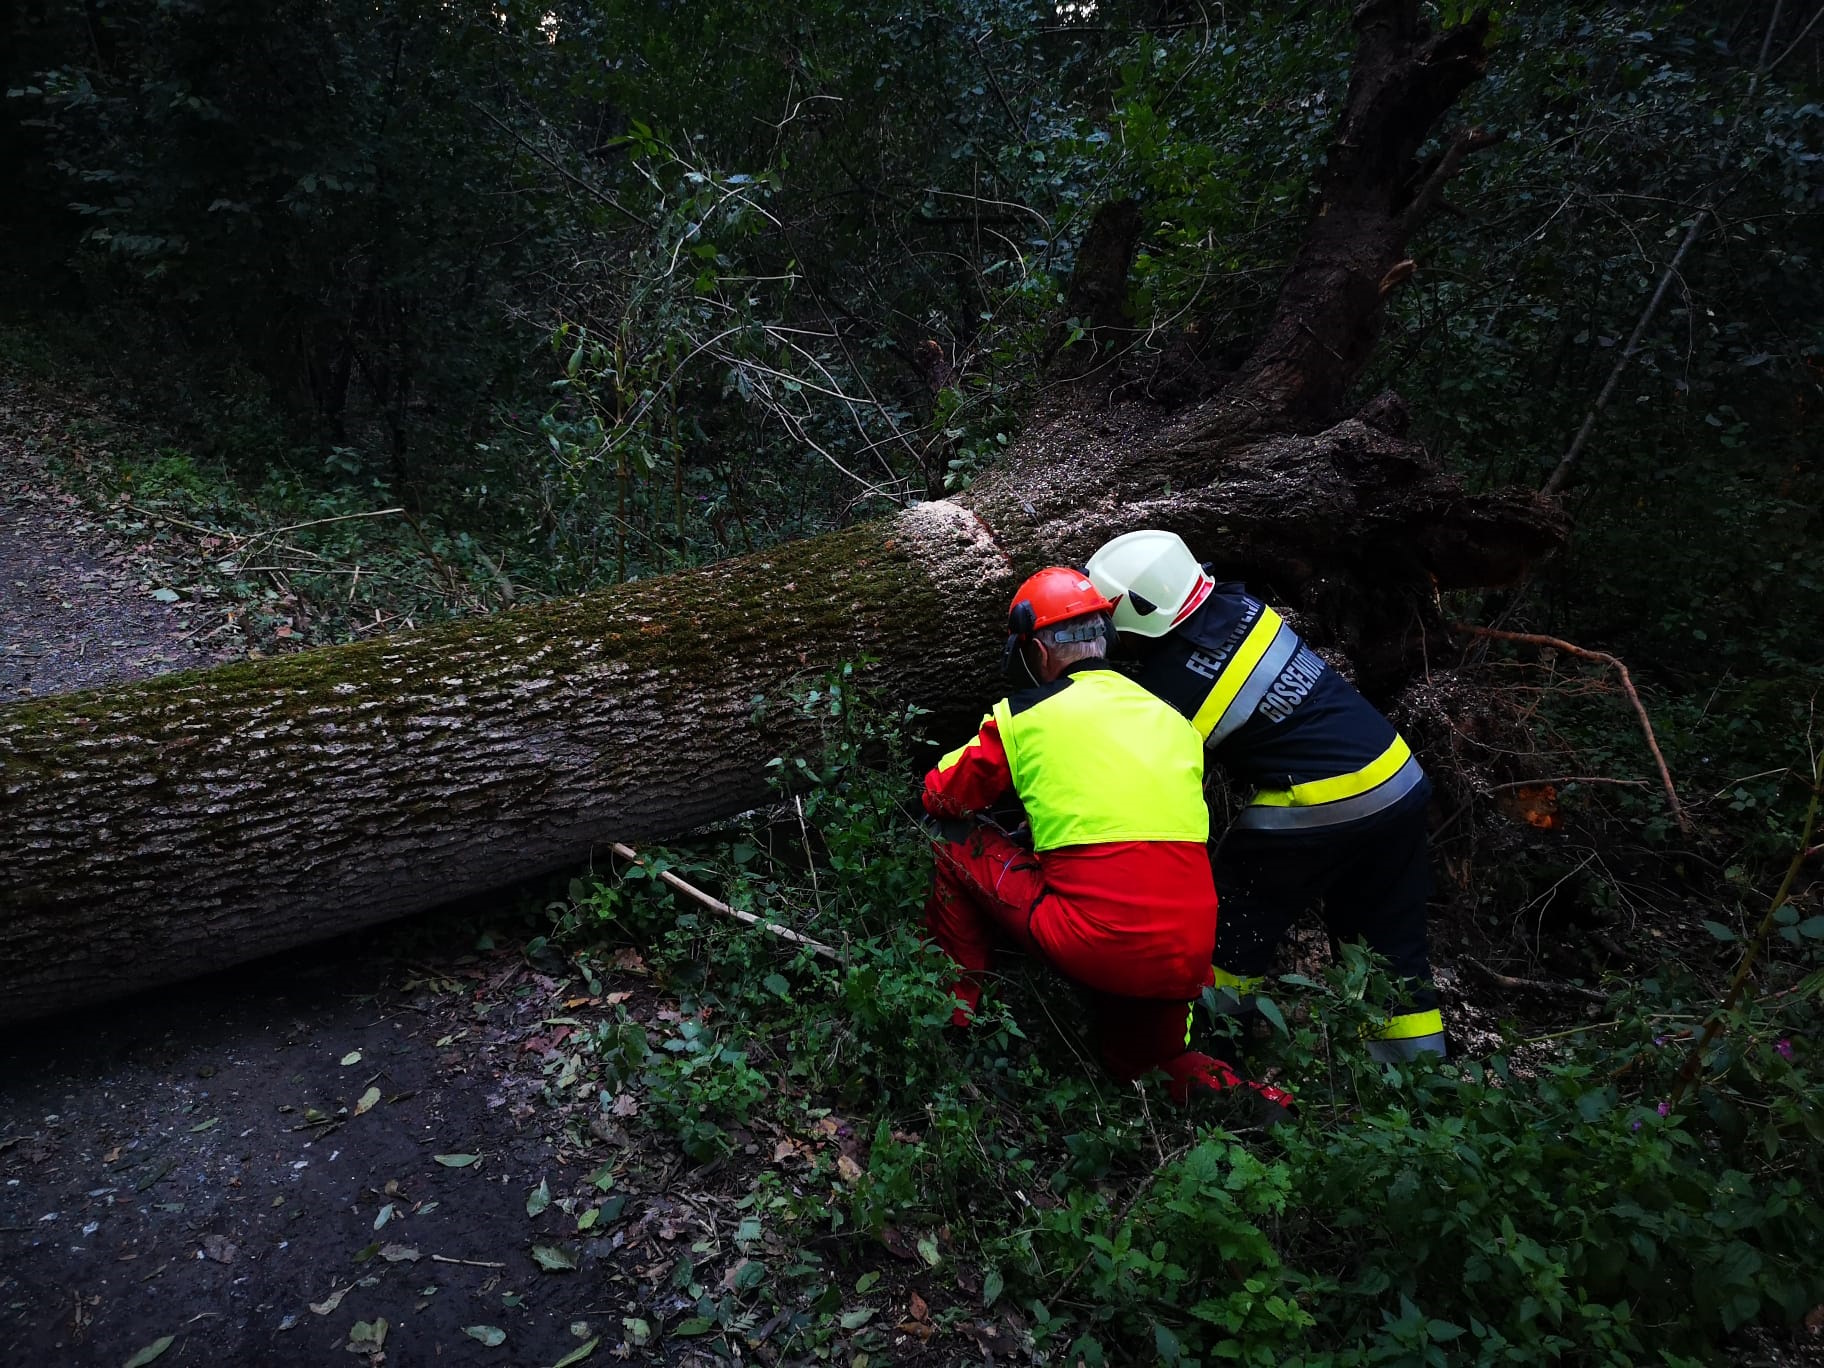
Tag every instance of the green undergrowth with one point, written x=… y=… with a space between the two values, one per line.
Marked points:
x=257 y=540
x=1555 y=1200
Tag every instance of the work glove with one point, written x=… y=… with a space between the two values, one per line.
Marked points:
x=953 y=829
x=1009 y=818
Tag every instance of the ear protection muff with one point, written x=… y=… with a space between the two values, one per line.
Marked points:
x=1022 y=622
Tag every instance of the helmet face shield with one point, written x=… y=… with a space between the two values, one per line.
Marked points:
x=1153 y=579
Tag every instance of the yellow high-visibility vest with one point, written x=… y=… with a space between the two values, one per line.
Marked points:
x=1097 y=758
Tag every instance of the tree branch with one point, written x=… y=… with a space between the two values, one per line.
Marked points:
x=1443 y=169
x=1627 y=687
x=632 y=856
x=1533 y=985
x=1373 y=195
x=1718 y=192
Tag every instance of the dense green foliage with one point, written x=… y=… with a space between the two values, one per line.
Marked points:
x=790 y=274
x=1557 y=1199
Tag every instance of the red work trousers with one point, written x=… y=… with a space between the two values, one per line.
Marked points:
x=1132 y=924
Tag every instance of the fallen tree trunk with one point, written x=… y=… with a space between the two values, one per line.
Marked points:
x=199 y=820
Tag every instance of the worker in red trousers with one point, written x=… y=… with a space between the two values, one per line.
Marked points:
x=1115 y=892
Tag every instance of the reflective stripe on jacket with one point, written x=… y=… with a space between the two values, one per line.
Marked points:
x=1279 y=718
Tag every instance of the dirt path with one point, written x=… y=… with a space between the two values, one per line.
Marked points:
x=77 y=603
x=192 y=1165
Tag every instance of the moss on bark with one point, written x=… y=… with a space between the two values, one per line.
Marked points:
x=196 y=820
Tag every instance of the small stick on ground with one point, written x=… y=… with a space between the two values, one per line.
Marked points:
x=1534 y=985
x=1627 y=687
x=628 y=853
x=466 y=1263
x=1567 y=779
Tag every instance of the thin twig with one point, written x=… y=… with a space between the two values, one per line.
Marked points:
x=632 y=856
x=179 y=522
x=1562 y=471
x=466 y=1263
x=1719 y=191
x=1627 y=687
x=1575 y=1030
x=340 y=517
x=1568 y=779
x=810 y=861
x=1535 y=985
x=1694 y=1062
x=1796 y=41
x=593 y=191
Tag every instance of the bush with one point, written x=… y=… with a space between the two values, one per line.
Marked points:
x=1548 y=1202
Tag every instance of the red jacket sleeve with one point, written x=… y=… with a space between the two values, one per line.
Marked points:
x=972 y=777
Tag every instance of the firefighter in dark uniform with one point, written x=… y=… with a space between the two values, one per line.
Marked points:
x=1337 y=814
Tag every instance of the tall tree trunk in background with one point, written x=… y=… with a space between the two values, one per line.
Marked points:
x=199 y=820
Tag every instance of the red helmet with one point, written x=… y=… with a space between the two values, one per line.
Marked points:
x=1056 y=594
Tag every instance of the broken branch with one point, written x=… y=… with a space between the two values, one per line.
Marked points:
x=1533 y=985
x=1568 y=779
x=1627 y=687
x=632 y=856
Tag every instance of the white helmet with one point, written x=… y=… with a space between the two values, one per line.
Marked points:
x=1153 y=579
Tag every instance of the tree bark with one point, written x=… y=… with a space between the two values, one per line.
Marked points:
x=199 y=820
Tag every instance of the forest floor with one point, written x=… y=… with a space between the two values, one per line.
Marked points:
x=80 y=606
x=329 y=1150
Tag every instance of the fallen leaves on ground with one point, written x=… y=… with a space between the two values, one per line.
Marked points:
x=918 y=1319
x=332 y=1301
x=150 y=1352
x=367 y=1337
x=553 y=1258
x=578 y=1354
